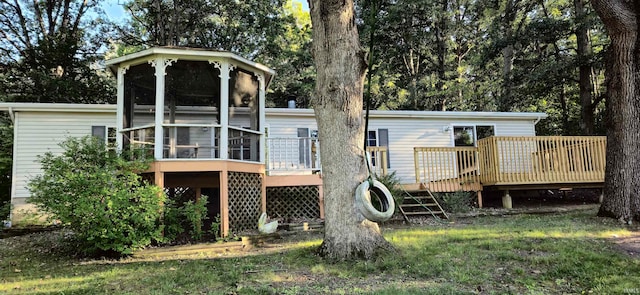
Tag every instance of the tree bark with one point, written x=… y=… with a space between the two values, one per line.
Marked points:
x=341 y=66
x=441 y=50
x=584 y=69
x=622 y=175
x=505 y=102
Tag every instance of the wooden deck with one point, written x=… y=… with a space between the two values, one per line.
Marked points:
x=544 y=160
x=510 y=162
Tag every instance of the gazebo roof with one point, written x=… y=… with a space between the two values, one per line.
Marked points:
x=191 y=54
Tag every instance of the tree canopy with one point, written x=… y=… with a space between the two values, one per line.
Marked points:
x=480 y=55
x=51 y=52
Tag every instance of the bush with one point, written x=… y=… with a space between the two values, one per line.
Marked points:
x=392 y=182
x=100 y=196
x=457 y=202
x=188 y=217
x=5 y=211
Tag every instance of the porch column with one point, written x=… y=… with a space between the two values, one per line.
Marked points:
x=160 y=64
x=261 y=117
x=120 y=107
x=225 y=69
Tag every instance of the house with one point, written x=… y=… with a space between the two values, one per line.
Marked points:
x=201 y=116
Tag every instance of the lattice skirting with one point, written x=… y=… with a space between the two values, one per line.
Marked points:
x=180 y=194
x=293 y=202
x=245 y=190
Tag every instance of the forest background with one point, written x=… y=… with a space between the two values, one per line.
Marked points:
x=446 y=55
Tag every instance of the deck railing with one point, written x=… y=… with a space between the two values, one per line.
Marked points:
x=511 y=160
x=301 y=155
x=447 y=169
x=542 y=159
x=293 y=155
x=379 y=160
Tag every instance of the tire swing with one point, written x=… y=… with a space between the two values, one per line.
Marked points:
x=364 y=190
x=364 y=204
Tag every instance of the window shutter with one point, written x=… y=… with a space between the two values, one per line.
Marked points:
x=383 y=140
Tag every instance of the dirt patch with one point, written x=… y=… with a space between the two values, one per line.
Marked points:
x=629 y=245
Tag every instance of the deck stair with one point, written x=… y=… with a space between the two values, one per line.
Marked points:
x=421 y=203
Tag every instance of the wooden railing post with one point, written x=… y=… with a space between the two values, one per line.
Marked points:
x=417 y=164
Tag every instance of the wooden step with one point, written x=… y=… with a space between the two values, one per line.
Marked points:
x=423 y=203
x=419 y=205
x=423 y=213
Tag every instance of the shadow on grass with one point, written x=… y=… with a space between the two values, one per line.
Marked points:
x=565 y=253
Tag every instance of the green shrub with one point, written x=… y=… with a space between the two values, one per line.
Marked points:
x=392 y=182
x=5 y=211
x=188 y=217
x=457 y=202
x=195 y=214
x=100 y=196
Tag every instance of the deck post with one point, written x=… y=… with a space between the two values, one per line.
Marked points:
x=224 y=203
x=321 y=201
x=601 y=197
x=506 y=200
x=158 y=180
x=263 y=192
x=479 y=193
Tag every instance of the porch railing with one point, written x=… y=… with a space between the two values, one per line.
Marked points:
x=293 y=155
x=512 y=160
x=542 y=159
x=379 y=160
x=447 y=169
x=301 y=155
x=181 y=141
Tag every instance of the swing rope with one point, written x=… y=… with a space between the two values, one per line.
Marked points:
x=372 y=26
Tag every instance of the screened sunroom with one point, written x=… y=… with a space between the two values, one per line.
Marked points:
x=199 y=114
x=191 y=104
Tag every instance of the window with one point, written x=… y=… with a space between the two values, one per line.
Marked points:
x=463 y=136
x=484 y=131
x=372 y=138
x=469 y=135
x=379 y=138
x=108 y=134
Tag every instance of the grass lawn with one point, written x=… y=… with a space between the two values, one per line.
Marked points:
x=570 y=253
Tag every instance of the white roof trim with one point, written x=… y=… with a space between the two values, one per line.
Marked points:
x=57 y=107
x=189 y=52
x=419 y=114
x=111 y=108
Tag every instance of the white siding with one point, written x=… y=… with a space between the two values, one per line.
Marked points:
x=39 y=132
x=407 y=133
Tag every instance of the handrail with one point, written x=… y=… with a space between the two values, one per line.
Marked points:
x=190 y=125
x=302 y=154
x=246 y=130
x=447 y=169
x=138 y=128
x=513 y=160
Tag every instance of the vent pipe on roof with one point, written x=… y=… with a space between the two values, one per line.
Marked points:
x=291 y=104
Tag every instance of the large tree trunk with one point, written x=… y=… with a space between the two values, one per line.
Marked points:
x=341 y=65
x=441 y=51
x=584 y=55
x=505 y=101
x=622 y=176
